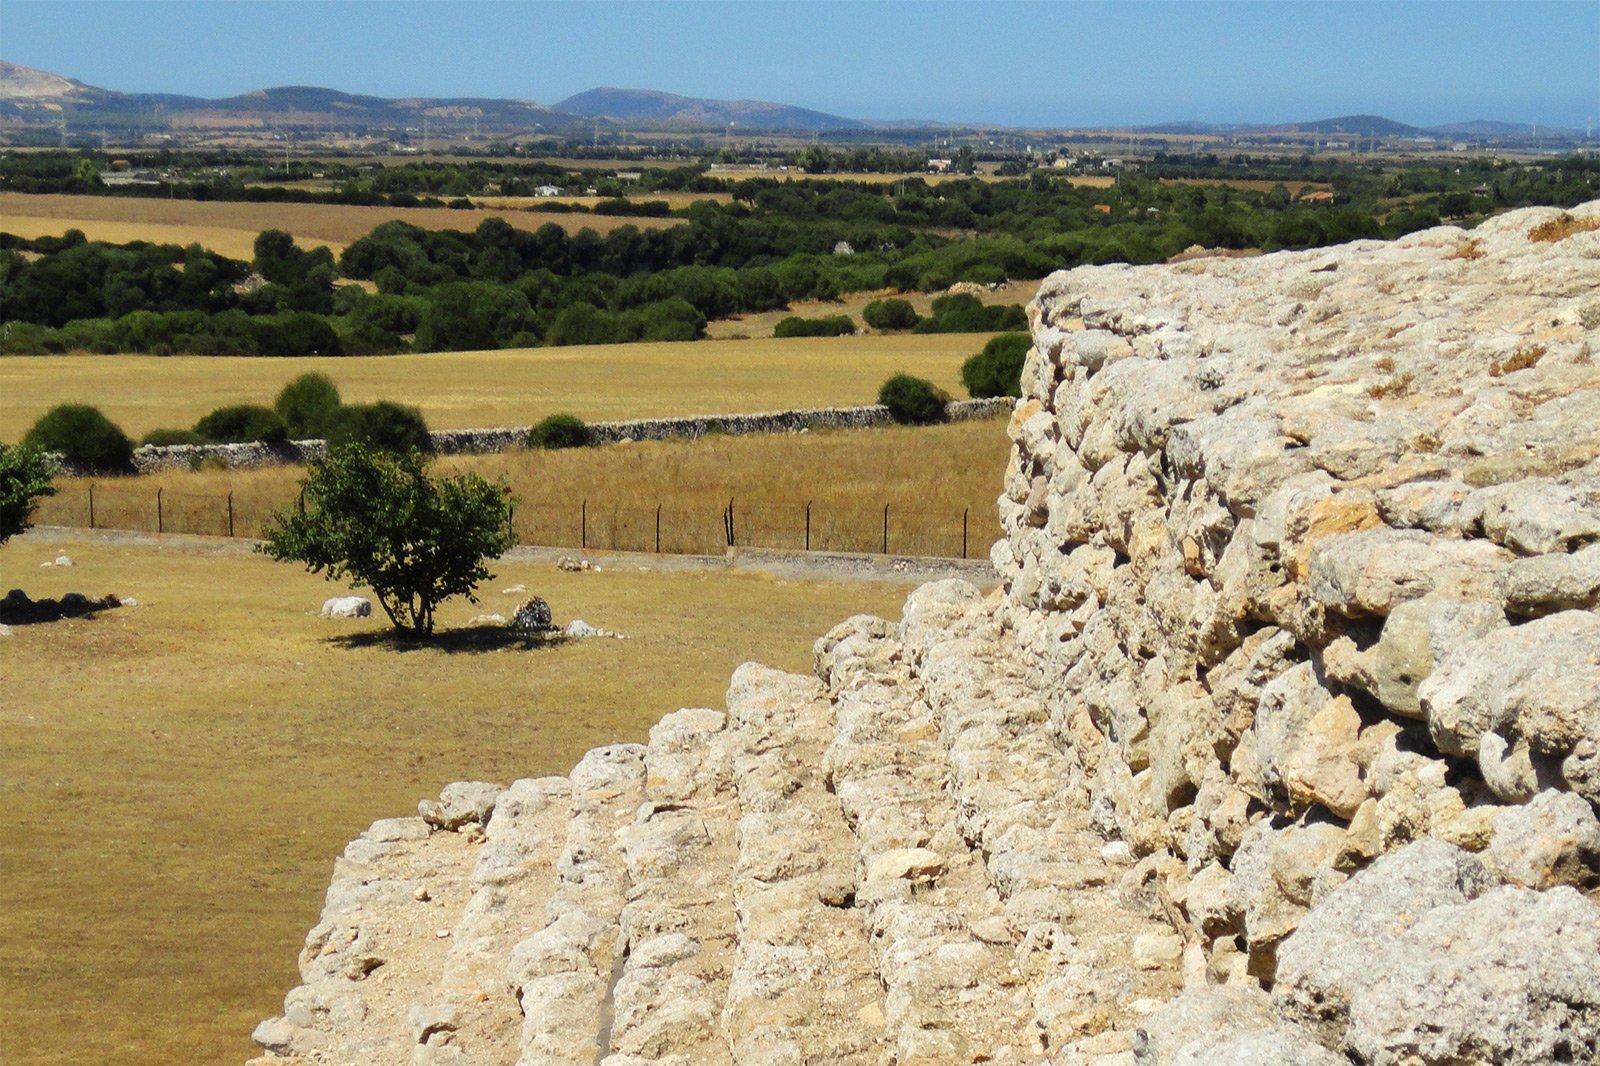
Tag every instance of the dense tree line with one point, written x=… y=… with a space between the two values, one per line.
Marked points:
x=776 y=242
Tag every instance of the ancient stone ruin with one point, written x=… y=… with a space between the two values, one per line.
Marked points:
x=1279 y=743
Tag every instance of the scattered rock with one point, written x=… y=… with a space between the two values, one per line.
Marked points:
x=461 y=803
x=347 y=607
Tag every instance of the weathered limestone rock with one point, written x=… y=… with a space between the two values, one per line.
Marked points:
x=1356 y=933
x=461 y=803
x=1508 y=977
x=1553 y=840
x=345 y=607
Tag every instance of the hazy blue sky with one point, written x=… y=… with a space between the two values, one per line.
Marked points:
x=1028 y=63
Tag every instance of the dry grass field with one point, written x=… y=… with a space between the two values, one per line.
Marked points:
x=607 y=497
x=180 y=775
x=512 y=387
x=231 y=228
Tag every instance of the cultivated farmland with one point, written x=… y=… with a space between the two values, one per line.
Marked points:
x=176 y=800
x=510 y=387
x=231 y=227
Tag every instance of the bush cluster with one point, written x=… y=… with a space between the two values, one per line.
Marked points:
x=965 y=313
x=307 y=408
x=891 y=314
x=827 y=326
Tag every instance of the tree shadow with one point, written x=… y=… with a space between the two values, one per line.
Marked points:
x=470 y=640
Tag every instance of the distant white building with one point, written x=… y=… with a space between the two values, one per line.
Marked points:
x=939 y=166
x=547 y=190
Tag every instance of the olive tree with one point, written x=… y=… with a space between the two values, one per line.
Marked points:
x=378 y=518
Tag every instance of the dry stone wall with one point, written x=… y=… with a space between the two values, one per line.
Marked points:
x=153 y=458
x=1277 y=745
x=1303 y=552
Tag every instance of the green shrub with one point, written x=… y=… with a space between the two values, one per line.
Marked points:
x=83 y=436
x=890 y=314
x=965 y=313
x=561 y=431
x=161 y=438
x=308 y=405
x=997 y=370
x=829 y=326
x=913 y=401
x=383 y=425
x=243 y=423
x=26 y=474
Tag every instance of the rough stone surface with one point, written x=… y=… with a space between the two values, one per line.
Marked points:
x=1279 y=742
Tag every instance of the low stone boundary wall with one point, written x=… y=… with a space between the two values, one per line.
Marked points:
x=150 y=459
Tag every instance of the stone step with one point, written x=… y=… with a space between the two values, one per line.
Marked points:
x=472 y=1015
x=1097 y=958
x=938 y=929
x=803 y=988
x=678 y=928
x=397 y=893
x=563 y=975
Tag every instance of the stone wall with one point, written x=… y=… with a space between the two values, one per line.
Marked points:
x=1303 y=553
x=150 y=459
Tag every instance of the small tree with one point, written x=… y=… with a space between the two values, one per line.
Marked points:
x=25 y=476
x=913 y=401
x=890 y=314
x=997 y=370
x=82 y=435
x=241 y=424
x=307 y=405
x=377 y=518
x=561 y=431
x=391 y=426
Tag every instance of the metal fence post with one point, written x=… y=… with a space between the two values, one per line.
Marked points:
x=964 y=511
x=583 y=519
x=161 y=526
x=91 y=505
x=808 y=525
x=230 y=514
x=658 y=529
x=886 y=529
x=511 y=522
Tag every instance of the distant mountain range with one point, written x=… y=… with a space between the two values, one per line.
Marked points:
x=644 y=105
x=30 y=97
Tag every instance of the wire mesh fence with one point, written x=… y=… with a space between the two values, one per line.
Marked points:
x=584 y=523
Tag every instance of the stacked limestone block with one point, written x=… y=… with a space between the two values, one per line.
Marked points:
x=1303 y=552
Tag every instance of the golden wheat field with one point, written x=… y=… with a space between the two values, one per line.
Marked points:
x=511 y=387
x=231 y=228
x=180 y=775
x=826 y=490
